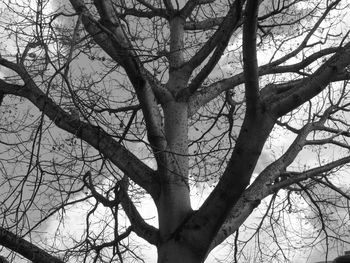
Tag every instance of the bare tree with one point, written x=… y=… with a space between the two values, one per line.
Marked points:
x=107 y=103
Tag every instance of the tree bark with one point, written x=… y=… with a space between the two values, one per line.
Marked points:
x=25 y=248
x=174 y=203
x=174 y=252
x=174 y=200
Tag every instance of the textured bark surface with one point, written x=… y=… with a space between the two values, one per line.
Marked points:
x=25 y=248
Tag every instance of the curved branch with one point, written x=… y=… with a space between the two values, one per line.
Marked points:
x=139 y=226
x=87 y=179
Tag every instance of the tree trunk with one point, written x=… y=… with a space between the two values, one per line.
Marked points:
x=174 y=200
x=174 y=204
x=174 y=252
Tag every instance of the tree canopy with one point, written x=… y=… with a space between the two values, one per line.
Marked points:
x=108 y=104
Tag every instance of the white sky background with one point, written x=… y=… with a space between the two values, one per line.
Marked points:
x=75 y=222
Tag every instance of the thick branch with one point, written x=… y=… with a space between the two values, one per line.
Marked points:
x=155 y=12
x=94 y=135
x=219 y=50
x=265 y=184
x=25 y=248
x=168 y=5
x=298 y=177
x=199 y=99
x=314 y=84
x=203 y=226
x=261 y=189
x=240 y=212
x=146 y=4
x=300 y=65
x=206 y=94
x=204 y=24
x=110 y=35
x=250 y=61
x=191 y=4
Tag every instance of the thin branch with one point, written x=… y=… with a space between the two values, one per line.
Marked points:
x=303 y=44
x=121 y=109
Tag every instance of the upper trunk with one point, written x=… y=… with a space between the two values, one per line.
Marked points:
x=174 y=201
